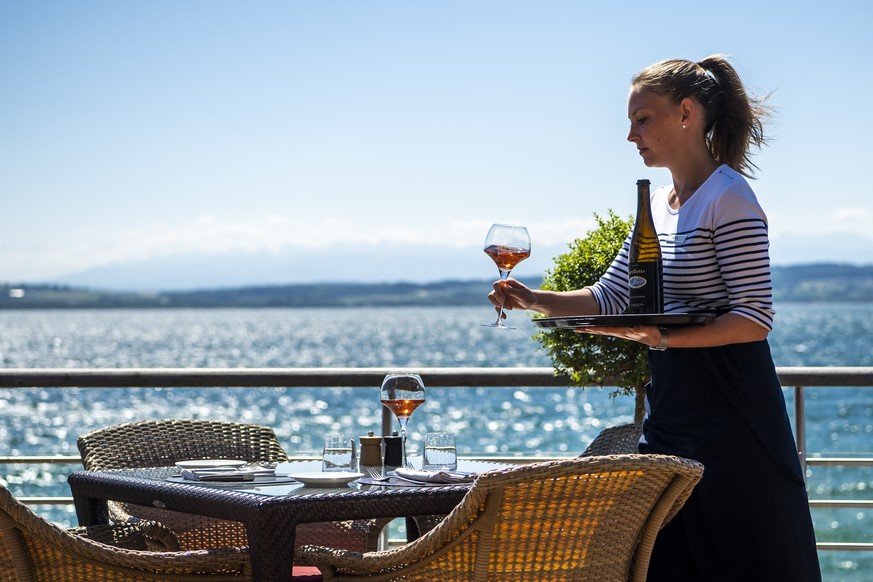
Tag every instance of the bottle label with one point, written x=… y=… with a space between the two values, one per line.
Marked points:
x=644 y=280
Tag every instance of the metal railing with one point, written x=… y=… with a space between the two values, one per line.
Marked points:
x=796 y=378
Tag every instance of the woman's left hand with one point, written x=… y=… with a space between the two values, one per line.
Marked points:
x=729 y=328
x=645 y=334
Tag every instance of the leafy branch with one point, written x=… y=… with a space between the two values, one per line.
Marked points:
x=592 y=360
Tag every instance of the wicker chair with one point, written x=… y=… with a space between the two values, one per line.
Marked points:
x=33 y=549
x=590 y=518
x=617 y=440
x=161 y=443
x=623 y=439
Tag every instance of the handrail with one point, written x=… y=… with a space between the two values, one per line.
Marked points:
x=271 y=377
x=789 y=377
x=819 y=376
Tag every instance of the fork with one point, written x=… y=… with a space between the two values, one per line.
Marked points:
x=376 y=475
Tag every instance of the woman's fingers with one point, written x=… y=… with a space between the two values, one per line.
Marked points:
x=496 y=296
x=639 y=333
x=510 y=293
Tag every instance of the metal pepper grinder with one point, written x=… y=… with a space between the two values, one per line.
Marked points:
x=393 y=451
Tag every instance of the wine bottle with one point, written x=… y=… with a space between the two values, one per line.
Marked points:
x=644 y=269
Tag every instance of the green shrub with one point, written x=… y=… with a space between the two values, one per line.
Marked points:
x=592 y=360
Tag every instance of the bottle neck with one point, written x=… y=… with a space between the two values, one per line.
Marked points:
x=643 y=199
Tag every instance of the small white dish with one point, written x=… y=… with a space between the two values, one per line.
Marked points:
x=326 y=479
x=210 y=463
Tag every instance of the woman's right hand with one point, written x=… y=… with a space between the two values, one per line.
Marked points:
x=512 y=294
x=515 y=295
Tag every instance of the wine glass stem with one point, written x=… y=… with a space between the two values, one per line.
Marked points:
x=504 y=275
x=403 y=422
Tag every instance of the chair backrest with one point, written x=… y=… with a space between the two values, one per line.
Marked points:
x=588 y=518
x=623 y=439
x=605 y=510
x=161 y=443
x=14 y=557
x=32 y=548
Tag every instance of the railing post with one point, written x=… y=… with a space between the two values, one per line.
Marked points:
x=800 y=427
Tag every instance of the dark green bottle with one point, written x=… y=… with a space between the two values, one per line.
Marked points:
x=645 y=267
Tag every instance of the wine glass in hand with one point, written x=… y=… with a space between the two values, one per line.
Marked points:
x=507 y=245
x=402 y=394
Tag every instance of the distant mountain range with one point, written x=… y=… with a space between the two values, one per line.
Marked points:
x=384 y=263
x=797 y=283
x=185 y=272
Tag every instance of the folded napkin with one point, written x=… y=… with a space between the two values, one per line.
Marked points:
x=434 y=476
x=226 y=474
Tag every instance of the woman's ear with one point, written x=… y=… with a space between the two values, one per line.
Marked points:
x=688 y=110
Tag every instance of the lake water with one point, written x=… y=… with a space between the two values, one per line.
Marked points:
x=486 y=420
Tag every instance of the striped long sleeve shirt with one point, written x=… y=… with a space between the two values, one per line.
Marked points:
x=715 y=250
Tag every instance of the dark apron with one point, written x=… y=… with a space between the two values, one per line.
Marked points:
x=748 y=518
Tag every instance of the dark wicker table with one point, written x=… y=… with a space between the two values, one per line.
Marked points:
x=270 y=519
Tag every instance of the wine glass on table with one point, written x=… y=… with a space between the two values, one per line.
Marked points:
x=507 y=245
x=402 y=394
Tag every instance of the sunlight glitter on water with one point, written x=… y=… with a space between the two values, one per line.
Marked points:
x=531 y=420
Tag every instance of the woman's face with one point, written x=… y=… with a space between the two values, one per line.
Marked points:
x=655 y=126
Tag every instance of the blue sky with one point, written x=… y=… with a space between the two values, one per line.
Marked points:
x=146 y=131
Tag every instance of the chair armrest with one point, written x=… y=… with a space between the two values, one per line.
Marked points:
x=134 y=535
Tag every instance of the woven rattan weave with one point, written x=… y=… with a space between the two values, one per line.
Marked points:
x=616 y=440
x=589 y=518
x=35 y=550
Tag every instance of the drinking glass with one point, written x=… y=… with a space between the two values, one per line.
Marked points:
x=402 y=394
x=339 y=453
x=507 y=245
x=440 y=453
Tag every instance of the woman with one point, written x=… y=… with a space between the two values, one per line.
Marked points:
x=714 y=395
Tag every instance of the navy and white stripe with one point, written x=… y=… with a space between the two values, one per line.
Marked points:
x=715 y=250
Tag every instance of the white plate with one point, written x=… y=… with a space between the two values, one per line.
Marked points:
x=210 y=463
x=326 y=479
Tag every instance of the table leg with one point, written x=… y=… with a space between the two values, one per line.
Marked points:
x=90 y=511
x=271 y=552
x=412 y=532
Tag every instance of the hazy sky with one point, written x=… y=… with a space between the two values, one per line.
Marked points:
x=131 y=130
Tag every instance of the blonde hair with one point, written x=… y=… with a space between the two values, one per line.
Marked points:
x=734 y=119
